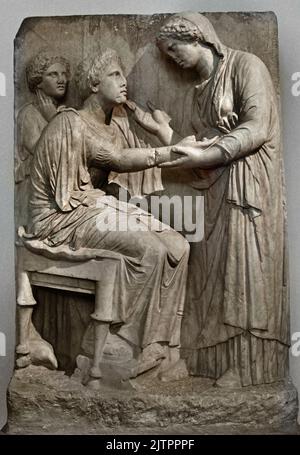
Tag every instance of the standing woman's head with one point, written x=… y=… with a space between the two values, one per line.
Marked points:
x=190 y=40
x=49 y=73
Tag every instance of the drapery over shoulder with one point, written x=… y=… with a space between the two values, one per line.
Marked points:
x=67 y=173
x=30 y=124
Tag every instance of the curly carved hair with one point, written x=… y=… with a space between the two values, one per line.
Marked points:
x=179 y=29
x=39 y=64
x=92 y=69
x=190 y=27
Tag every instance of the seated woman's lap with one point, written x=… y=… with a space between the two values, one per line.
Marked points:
x=130 y=240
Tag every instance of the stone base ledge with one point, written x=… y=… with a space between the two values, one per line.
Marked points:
x=43 y=401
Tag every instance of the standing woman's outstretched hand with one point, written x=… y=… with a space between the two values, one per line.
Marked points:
x=189 y=153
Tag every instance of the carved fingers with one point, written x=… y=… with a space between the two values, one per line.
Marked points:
x=143 y=118
x=190 y=153
x=228 y=122
x=47 y=106
x=205 y=142
x=184 y=156
x=152 y=121
x=131 y=105
x=160 y=116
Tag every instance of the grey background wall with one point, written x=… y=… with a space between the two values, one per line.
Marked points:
x=12 y=14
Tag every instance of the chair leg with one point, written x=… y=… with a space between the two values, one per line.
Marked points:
x=102 y=316
x=25 y=301
x=100 y=333
x=24 y=322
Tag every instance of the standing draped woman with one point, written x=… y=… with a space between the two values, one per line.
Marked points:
x=236 y=324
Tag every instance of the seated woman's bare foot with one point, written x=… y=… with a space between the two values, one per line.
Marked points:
x=90 y=375
x=230 y=379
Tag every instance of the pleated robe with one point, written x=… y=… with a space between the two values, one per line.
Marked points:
x=237 y=311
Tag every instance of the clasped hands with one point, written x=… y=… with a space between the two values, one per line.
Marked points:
x=188 y=153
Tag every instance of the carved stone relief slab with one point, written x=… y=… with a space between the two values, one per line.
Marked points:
x=111 y=112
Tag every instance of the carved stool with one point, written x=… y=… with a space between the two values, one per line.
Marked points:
x=90 y=276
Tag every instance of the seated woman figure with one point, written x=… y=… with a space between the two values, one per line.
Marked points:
x=66 y=210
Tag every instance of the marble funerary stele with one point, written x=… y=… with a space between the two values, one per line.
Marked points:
x=182 y=107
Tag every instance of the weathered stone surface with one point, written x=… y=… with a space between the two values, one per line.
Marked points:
x=43 y=401
x=228 y=330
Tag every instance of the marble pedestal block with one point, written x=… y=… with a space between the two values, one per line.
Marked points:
x=43 y=402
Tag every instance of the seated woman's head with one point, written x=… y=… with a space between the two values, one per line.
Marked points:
x=189 y=39
x=102 y=76
x=48 y=72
